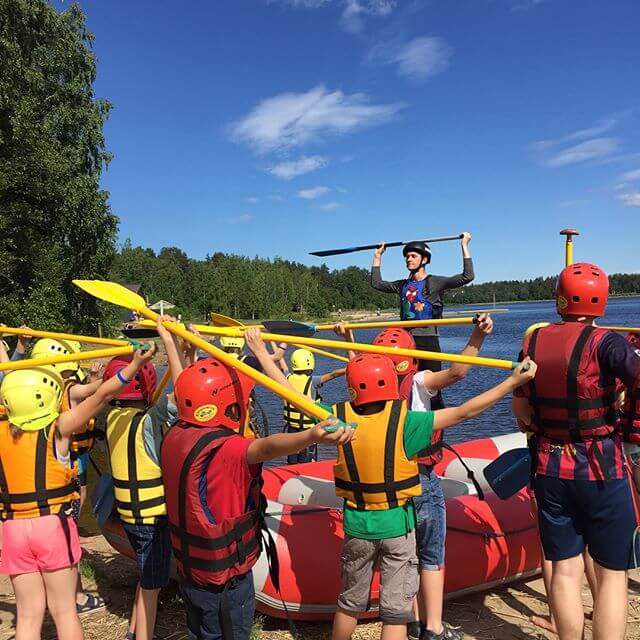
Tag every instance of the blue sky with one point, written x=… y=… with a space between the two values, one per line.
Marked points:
x=278 y=127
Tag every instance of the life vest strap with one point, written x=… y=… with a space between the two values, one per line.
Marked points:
x=219 y=542
x=150 y=483
x=137 y=507
x=32 y=496
x=221 y=564
x=378 y=487
x=584 y=404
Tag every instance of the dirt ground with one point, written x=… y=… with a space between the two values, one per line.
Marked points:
x=501 y=614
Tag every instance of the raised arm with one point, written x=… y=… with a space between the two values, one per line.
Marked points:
x=75 y=418
x=376 y=279
x=450 y=417
x=176 y=364
x=347 y=335
x=467 y=275
x=436 y=380
x=259 y=350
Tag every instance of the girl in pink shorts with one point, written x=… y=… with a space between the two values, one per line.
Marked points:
x=40 y=547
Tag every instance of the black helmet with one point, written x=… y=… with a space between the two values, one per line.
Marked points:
x=417 y=246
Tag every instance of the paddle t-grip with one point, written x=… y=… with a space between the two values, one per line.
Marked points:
x=332 y=428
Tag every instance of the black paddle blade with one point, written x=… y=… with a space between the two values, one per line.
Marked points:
x=509 y=473
x=140 y=332
x=290 y=328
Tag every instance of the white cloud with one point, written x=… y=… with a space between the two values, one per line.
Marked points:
x=253 y=200
x=330 y=206
x=289 y=120
x=629 y=176
x=312 y=194
x=355 y=11
x=604 y=125
x=245 y=217
x=630 y=199
x=589 y=150
x=572 y=203
x=419 y=59
x=292 y=168
x=304 y=4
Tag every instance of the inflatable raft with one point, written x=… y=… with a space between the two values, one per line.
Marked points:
x=488 y=542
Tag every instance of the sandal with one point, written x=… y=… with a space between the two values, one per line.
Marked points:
x=93 y=603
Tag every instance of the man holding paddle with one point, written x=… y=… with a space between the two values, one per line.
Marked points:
x=421 y=293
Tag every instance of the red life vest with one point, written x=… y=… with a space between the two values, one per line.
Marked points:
x=568 y=402
x=206 y=553
x=431 y=455
x=630 y=419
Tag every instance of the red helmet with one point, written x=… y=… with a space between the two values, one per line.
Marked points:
x=210 y=394
x=372 y=378
x=399 y=339
x=582 y=290
x=141 y=387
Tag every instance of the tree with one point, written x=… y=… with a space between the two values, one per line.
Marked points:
x=55 y=221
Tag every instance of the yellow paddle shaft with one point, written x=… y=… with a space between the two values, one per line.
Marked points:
x=36 y=333
x=301 y=402
x=322 y=352
x=69 y=357
x=161 y=385
x=363 y=348
x=405 y=324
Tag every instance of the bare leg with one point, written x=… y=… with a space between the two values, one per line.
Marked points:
x=146 y=609
x=393 y=632
x=132 y=623
x=344 y=624
x=61 y=602
x=546 y=622
x=431 y=598
x=566 y=597
x=610 y=606
x=30 y=603
x=589 y=569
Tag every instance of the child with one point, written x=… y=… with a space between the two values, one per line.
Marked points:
x=73 y=392
x=418 y=388
x=304 y=382
x=212 y=486
x=377 y=475
x=41 y=547
x=134 y=432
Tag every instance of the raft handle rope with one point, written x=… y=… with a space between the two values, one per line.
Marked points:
x=493 y=535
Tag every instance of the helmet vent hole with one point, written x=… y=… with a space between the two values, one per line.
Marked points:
x=575 y=298
x=362 y=385
x=188 y=403
x=578 y=273
x=381 y=383
x=594 y=300
x=203 y=370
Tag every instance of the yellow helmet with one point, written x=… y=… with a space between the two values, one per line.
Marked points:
x=32 y=397
x=227 y=342
x=48 y=347
x=302 y=360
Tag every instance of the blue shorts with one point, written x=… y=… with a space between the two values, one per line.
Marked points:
x=574 y=514
x=203 y=606
x=83 y=463
x=431 y=527
x=152 y=546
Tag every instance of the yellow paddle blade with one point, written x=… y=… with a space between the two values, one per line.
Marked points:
x=114 y=293
x=56 y=335
x=220 y=320
x=69 y=357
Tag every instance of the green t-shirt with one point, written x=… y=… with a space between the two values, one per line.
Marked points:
x=391 y=523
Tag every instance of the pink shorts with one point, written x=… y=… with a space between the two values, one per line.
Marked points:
x=39 y=544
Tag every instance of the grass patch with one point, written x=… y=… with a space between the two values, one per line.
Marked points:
x=257 y=628
x=86 y=570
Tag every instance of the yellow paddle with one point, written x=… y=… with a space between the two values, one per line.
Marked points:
x=356 y=346
x=36 y=333
x=322 y=352
x=568 y=245
x=69 y=357
x=117 y=294
x=166 y=376
x=220 y=320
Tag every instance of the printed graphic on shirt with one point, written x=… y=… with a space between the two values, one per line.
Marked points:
x=415 y=305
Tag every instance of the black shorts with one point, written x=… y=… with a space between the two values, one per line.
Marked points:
x=428 y=343
x=574 y=514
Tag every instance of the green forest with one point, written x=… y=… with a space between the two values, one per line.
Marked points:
x=257 y=288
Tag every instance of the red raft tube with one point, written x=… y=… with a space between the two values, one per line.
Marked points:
x=488 y=542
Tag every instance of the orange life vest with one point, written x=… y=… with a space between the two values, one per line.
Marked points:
x=32 y=481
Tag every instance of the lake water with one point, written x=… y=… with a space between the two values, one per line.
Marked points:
x=504 y=342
